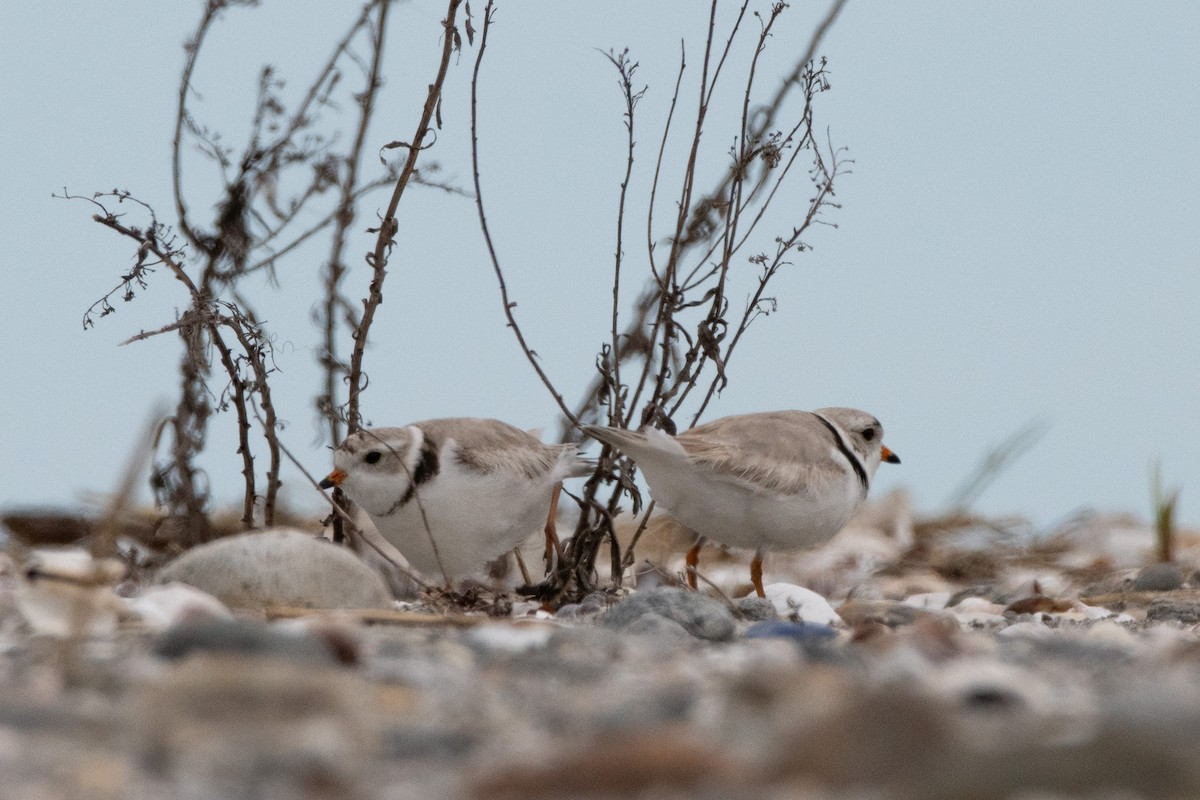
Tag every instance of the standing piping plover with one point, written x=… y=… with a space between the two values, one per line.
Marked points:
x=779 y=480
x=453 y=494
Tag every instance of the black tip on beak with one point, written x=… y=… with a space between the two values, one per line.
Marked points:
x=889 y=456
x=333 y=479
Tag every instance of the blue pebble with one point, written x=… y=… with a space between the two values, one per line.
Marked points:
x=786 y=629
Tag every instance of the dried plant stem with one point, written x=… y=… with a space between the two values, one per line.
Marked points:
x=712 y=331
x=389 y=226
x=637 y=535
x=666 y=310
x=626 y=71
x=300 y=116
x=824 y=191
x=509 y=305
x=239 y=404
x=192 y=48
x=202 y=316
x=344 y=217
x=652 y=299
x=766 y=113
x=259 y=209
x=248 y=339
x=679 y=336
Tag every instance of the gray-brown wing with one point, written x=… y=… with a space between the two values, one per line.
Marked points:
x=785 y=451
x=489 y=445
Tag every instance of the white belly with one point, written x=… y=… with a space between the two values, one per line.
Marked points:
x=731 y=511
x=471 y=518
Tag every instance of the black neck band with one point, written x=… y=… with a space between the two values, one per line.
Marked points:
x=426 y=468
x=847 y=452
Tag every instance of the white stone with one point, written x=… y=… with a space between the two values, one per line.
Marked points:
x=1089 y=612
x=1108 y=632
x=978 y=605
x=1032 y=630
x=73 y=564
x=930 y=600
x=970 y=616
x=279 y=568
x=515 y=637
x=161 y=607
x=803 y=604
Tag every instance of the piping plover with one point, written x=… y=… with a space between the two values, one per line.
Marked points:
x=453 y=494
x=779 y=480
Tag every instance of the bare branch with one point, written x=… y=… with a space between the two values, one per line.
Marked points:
x=626 y=69
x=487 y=236
x=389 y=226
x=344 y=216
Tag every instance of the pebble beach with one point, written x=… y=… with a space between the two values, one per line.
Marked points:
x=910 y=657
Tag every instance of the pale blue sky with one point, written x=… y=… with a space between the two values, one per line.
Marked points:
x=1020 y=236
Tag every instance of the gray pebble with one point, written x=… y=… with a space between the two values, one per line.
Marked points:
x=426 y=741
x=651 y=704
x=700 y=615
x=1185 y=611
x=568 y=611
x=755 y=608
x=1161 y=577
x=1107 y=586
x=243 y=637
x=595 y=603
x=664 y=631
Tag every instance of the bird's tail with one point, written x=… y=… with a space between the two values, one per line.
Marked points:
x=618 y=438
x=576 y=465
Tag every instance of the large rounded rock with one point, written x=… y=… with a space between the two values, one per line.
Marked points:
x=279 y=568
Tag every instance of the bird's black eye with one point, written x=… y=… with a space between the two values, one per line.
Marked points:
x=373 y=457
x=868 y=434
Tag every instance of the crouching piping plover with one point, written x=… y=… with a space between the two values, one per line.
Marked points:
x=778 y=480
x=453 y=494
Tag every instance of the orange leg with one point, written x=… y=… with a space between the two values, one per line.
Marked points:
x=553 y=547
x=693 y=562
x=756 y=572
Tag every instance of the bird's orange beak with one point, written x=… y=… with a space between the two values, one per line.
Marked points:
x=886 y=454
x=335 y=478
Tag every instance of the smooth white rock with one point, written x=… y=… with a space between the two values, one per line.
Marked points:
x=1109 y=632
x=1083 y=611
x=1032 y=630
x=805 y=605
x=161 y=607
x=279 y=567
x=517 y=637
x=73 y=564
x=930 y=600
x=978 y=605
x=978 y=611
